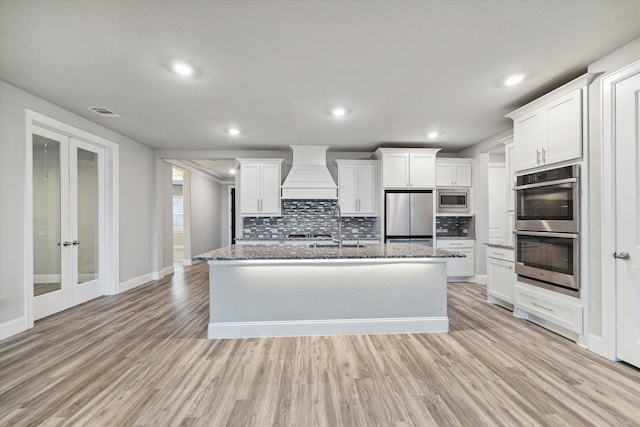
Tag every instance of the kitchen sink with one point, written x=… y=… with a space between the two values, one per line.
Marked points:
x=335 y=245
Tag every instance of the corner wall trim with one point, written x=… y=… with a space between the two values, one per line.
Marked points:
x=224 y=330
x=13 y=327
x=594 y=344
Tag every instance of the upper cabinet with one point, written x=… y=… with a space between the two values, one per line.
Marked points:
x=259 y=183
x=453 y=172
x=357 y=187
x=404 y=168
x=550 y=129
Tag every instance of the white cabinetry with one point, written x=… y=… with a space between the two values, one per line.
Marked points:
x=459 y=267
x=357 y=187
x=408 y=168
x=501 y=276
x=260 y=187
x=550 y=129
x=453 y=172
x=560 y=313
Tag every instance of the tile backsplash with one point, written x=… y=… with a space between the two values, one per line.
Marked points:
x=456 y=226
x=309 y=217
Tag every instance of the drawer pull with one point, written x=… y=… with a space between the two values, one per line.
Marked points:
x=542 y=307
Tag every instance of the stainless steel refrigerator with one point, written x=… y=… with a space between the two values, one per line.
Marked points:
x=409 y=216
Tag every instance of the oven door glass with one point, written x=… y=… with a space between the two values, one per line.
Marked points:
x=553 y=202
x=549 y=257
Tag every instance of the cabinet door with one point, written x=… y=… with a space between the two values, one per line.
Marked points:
x=564 y=129
x=422 y=170
x=395 y=170
x=347 y=189
x=250 y=189
x=466 y=266
x=270 y=194
x=444 y=175
x=510 y=156
x=366 y=191
x=462 y=175
x=501 y=279
x=527 y=131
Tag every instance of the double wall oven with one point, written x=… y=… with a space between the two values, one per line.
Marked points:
x=547 y=227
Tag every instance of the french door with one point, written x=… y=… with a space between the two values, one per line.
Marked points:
x=68 y=222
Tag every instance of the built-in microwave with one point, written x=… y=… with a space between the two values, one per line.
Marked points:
x=453 y=201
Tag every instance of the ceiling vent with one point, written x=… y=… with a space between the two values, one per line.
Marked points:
x=104 y=112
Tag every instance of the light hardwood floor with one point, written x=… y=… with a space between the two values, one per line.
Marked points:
x=142 y=358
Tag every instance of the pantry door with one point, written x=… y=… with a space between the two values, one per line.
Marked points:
x=68 y=222
x=627 y=251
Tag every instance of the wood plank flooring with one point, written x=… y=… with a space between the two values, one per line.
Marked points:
x=142 y=358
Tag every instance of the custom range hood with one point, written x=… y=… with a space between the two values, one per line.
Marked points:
x=309 y=177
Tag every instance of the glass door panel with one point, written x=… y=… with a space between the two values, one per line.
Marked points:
x=47 y=243
x=88 y=218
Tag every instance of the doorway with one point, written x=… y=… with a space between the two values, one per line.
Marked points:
x=232 y=213
x=178 y=215
x=68 y=222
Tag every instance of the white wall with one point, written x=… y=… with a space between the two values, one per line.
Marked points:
x=137 y=188
x=205 y=214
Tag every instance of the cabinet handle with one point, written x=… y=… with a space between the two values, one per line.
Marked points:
x=357 y=205
x=544 y=155
x=542 y=307
x=538 y=156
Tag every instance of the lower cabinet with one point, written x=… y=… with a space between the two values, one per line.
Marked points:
x=562 y=314
x=501 y=276
x=459 y=268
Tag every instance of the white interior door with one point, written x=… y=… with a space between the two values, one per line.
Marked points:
x=68 y=222
x=51 y=247
x=627 y=143
x=86 y=197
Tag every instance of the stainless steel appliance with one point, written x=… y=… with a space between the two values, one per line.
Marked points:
x=453 y=201
x=549 y=200
x=409 y=216
x=549 y=260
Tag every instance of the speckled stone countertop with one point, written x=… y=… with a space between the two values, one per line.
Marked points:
x=305 y=251
x=499 y=246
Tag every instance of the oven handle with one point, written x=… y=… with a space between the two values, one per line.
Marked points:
x=546 y=234
x=546 y=184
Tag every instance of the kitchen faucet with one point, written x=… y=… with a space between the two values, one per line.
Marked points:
x=337 y=208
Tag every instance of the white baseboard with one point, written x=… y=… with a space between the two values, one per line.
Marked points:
x=164 y=272
x=135 y=282
x=594 y=344
x=13 y=327
x=187 y=262
x=223 y=330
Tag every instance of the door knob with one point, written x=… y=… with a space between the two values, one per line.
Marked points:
x=621 y=255
x=66 y=244
x=75 y=243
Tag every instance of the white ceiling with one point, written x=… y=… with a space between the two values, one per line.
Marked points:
x=273 y=68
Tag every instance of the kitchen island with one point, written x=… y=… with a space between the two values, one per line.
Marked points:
x=293 y=290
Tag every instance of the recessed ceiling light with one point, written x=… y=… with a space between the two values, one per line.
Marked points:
x=232 y=171
x=433 y=134
x=514 y=80
x=233 y=131
x=182 y=68
x=339 y=112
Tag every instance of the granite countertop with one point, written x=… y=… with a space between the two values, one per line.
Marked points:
x=282 y=251
x=306 y=239
x=499 y=246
